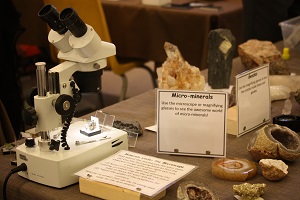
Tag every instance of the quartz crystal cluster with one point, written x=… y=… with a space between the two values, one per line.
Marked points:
x=178 y=74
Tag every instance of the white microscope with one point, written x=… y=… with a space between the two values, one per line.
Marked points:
x=84 y=54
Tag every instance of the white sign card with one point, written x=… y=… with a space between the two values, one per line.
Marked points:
x=191 y=122
x=141 y=173
x=253 y=99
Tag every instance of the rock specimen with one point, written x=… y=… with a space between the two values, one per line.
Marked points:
x=177 y=74
x=191 y=190
x=232 y=97
x=273 y=170
x=279 y=92
x=233 y=169
x=254 y=53
x=129 y=126
x=249 y=191
x=297 y=96
x=221 y=50
x=274 y=142
x=292 y=82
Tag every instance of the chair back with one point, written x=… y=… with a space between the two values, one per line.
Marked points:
x=91 y=12
x=7 y=133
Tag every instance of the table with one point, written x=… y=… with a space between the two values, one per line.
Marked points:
x=139 y=31
x=142 y=108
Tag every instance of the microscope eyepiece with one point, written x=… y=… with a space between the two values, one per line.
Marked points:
x=50 y=15
x=73 y=22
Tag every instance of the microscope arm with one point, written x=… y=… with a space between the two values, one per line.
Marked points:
x=60 y=76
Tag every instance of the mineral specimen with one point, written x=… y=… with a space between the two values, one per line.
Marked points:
x=297 y=96
x=274 y=142
x=191 y=190
x=249 y=191
x=279 y=92
x=254 y=53
x=129 y=126
x=221 y=49
x=233 y=169
x=177 y=74
x=273 y=170
x=287 y=107
x=232 y=97
x=292 y=82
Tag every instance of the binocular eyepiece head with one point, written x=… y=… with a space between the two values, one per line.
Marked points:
x=50 y=15
x=68 y=19
x=73 y=22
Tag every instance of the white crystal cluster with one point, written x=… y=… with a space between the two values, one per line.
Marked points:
x=178 y=74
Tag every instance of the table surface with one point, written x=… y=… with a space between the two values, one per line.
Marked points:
x=142 y=109
x=140 y=31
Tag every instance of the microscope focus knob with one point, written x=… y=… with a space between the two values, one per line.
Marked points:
x=64 y=105
x=29 y=116
x=29 y=142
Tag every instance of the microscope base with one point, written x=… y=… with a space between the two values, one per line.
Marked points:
x=57 y=168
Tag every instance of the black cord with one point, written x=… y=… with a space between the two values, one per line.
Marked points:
x=22 y=167
x=67 y=123
x=65 y=130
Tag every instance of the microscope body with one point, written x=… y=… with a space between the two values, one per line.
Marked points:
x=55 y=99
x=85 y=54
x=81 y=54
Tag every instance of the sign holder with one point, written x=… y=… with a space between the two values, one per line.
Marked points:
x=191 y=122
x=253 y=107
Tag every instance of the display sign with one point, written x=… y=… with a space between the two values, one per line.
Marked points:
x=253 y=99
x=191 y=122
x=137 y=172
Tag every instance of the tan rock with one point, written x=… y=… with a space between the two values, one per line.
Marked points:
x=275 y=142
x=272 y=169
x=254 y=53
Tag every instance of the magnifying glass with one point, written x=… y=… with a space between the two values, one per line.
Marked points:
x=290 y=121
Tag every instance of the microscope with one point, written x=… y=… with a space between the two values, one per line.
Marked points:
x=53 y=104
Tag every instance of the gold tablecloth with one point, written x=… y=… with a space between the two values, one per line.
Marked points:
x=142 y=109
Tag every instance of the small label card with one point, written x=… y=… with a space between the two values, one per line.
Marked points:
x=191 y=122
x=253 y=99
x=141 y=173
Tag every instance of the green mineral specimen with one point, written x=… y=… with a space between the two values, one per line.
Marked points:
x=221 y=50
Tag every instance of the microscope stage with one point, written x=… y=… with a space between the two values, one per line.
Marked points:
x=57 y=168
